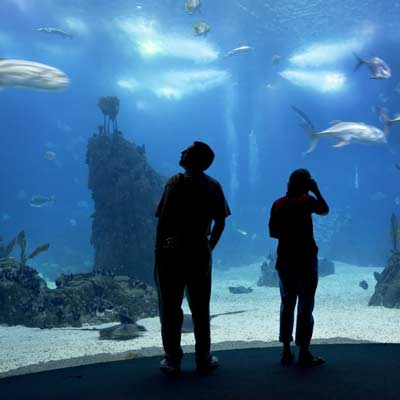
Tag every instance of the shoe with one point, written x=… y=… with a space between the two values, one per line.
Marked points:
x=208 y=365
x=287 y=357
x=308 y=360
x=169 y=368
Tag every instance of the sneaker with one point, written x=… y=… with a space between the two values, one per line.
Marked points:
x=206 y=366
x=308 y=360
x=169 y=368
x=287 y=357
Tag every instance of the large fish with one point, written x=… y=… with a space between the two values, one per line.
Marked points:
x=31 y=75
x=343 y=132
x=386 y=120
x=55 y=31
x=377 y=67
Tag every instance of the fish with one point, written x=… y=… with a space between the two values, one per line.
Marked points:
x=201 y=28
x=238 y=50
x=192 y=6
x=377 y=67
x=73 y=222
x=50 y=155
x=55 y=31
x=241 y=231
x=276 y=59
x=40 y=201
x=343 y=132
x=356 y=181
x=187 y=324
x=388 y=122
x=31 y=75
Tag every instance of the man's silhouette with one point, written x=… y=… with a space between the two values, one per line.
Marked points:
x=189 y=204
x=297 y=263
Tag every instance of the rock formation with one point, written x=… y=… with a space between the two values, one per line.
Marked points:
x=269 y=275
x=82 y=298
x=387 y=288
x=126 y=191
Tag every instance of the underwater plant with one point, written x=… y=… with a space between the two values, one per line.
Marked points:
x=5 y=252
x=22 y=244
x=109 y=106
x=394 y=232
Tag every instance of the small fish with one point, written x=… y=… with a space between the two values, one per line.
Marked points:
x=31 y=75
x=238 y=50
x=201 y=28
x=5 y=217
x=192 y=5
x=73 y=222
x=83 y=204
x=377 y=67
x=276 y=59
x=241 y=231
x=50 y=155
x=55 y=31
x=40 y=201
x=343 y=132
x=356 y=182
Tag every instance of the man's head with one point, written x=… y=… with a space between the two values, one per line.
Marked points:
x=197 y=157
x=299 y=182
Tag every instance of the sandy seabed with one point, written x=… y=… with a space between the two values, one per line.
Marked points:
x=341 y=314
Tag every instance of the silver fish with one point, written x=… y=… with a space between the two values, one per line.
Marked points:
x=237 y=50
x=386 y=120
x=40 y=201
x=377 y=67
x=55 y=31
x=192 y=5
x=343 y=132
x=201 y=28
x=31 y=75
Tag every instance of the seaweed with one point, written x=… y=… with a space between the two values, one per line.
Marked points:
x=109 y=106
x=9 y=248
x=394 y=232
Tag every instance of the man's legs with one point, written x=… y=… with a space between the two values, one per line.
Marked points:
x=170 y=287
x=198 y=296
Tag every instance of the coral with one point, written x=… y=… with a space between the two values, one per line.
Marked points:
x=109 y=106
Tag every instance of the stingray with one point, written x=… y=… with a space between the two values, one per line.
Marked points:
x=127 y=329
x=187 y=325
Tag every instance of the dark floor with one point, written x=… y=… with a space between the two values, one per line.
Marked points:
x=352 y=371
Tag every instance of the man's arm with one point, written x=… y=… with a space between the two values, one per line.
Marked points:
x=216 y=232
x=272 y=225
x=321 y=206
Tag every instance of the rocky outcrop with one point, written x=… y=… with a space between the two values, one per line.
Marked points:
x=82 y=298
x=387 y=288
x=269 y=275
x=126 y=191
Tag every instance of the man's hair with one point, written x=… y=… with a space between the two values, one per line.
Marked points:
x=298 y=182
x=203 y=156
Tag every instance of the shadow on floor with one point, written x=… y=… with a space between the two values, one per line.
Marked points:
x=352 y=371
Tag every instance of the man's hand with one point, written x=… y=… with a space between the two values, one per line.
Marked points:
x=313 y=186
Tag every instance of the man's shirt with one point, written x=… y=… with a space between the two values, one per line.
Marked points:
x=188 y=206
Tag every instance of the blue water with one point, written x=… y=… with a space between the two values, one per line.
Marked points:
x=184 y=89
